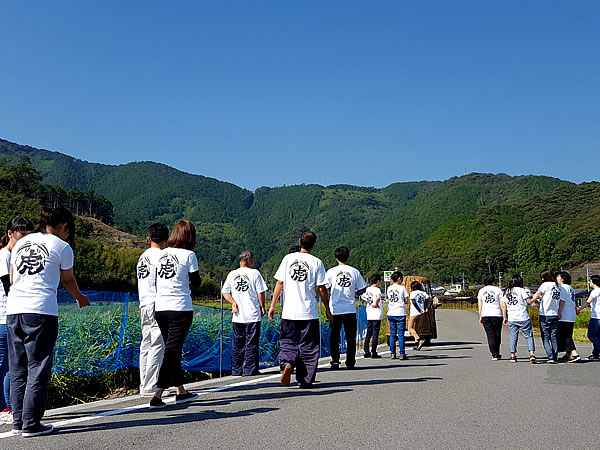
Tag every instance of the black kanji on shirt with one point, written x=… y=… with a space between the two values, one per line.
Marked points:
x=31 y=258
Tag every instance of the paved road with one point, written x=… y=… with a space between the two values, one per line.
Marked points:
x=450 y=395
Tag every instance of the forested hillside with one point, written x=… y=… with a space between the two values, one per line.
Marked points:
x=473 y=223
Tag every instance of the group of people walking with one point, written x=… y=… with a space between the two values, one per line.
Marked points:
x=557 y=314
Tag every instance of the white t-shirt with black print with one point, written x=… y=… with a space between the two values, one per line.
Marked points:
x=301 y=273
x=567 y=295
x=419 y=297
x=344 y=281
x=550 y=298
x=396 y=297
x=595 y=294
x=244 y=285
x=490 y=301
x=4 y=270
x=370 y=298
x=516 y=305
x=146 y=276
x=37 y=260
x=173 y=280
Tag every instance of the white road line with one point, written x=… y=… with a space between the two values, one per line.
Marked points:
x=114 y=412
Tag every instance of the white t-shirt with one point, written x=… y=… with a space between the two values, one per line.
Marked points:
x=419 y=297
x=567 y=295
x=146 y=276
x=173 y=280
x=595 y=294
x=244 y=285
x=516 y=306
x=4 y=270
x=344 y=281
x=490 y=301
x=300 y=273
x=370 y=298
x=550 y=298
x=396 y=297
x=37 y=260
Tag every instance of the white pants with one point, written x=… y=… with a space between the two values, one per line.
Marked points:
x=152 y=349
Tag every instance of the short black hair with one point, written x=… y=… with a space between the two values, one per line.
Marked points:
x=342 y=254
x=158 y=232
x=595 y=279
x=566 y=277
x=295 y=249
x=489 y=279
x=397 y=275
x=416 y=286
x=375 y=278
x=308 y=240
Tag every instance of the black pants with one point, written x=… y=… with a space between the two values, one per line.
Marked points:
x=372 y=331
x=244 y=348
x=174 y=327
x=31 y=340
x=349 y=322
x=299 y=342
x=493 y=330
x=565 y=337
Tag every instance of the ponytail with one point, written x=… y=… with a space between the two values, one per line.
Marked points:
x=515 y=281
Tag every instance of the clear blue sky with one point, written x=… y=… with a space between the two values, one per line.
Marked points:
x=270 y=93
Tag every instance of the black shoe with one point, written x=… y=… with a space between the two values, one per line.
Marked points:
x=350 y=366
x=185 y=398
x=367 y=354
x=157 y=403
x=39 y=430
x=375 y=356
x=307 y=386
x=335 y=365
x=393 y=356
x=404 y=357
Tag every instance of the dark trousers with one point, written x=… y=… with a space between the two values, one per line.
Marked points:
x=349 y=322
x=244 y=348
x=372 y=331
x=299 y=342
x=31 y=340
x=493 y=330
x=564 y=335
x=174 y=327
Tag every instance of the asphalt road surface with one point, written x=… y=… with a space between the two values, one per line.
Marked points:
x=449 y=395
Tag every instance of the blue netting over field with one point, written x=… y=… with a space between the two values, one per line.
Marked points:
x=106 y=336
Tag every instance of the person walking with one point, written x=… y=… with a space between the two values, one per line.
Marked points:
x=152 y=346
x=490 y=314
x=418 y=299
x=567 y=313
x=17 y=228
x=345 y=284
x=297 y=277
x=245 y=289
x=513 y=304
x=39 y=262
x=374 y=310
x=548 y=296
x=594 y=325
x=397 y=296
x=177 y=269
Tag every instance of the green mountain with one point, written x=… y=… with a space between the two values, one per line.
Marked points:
x=471 y=223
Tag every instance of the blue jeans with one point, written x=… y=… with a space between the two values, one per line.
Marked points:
x=397 y=326
x=525 y=327
x=4 y=376
x=594 y=336
x=549 y=330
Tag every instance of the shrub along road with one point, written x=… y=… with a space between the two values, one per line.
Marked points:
x=449 y=395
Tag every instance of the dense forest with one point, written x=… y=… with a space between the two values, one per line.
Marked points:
x=469 y=224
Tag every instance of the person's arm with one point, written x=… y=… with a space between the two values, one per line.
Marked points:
x=416 y=305
x=276 y=294
x=70 y=284
x=324 y=294
x=480 y=305
x=377 y=301
x=586 y=304
x=261 y=300
x=560 y=308
x=228 y=297
x=195 y=279
x=361 y=291
x=6 y=282
x=503 y=309
x=536 y=297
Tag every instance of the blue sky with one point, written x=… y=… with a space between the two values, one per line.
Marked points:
x=276 y=92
